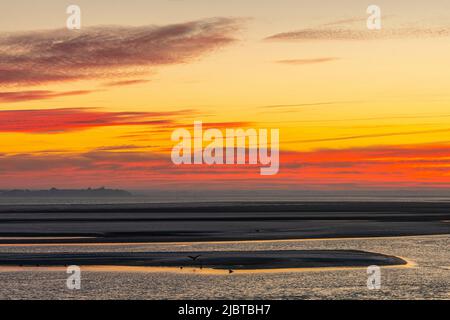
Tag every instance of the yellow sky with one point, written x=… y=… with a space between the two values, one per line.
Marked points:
x=322 y=93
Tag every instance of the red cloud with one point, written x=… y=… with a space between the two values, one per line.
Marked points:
x=63 y=120
x=416 y=166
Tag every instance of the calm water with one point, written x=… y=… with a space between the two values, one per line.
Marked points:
x=429 y=279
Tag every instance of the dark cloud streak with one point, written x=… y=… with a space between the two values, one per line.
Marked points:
x=19 y=96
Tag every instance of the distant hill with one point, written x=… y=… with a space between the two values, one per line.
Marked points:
x=52 y=193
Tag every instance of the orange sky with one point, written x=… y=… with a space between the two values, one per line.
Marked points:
x=96 y=107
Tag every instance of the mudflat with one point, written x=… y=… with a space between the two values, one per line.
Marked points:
x=228 y=221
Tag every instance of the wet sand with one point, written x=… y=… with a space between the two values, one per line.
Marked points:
x=225 y=260
x=101 y=225
x=426 y=276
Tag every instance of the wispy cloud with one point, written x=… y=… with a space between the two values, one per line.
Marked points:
x=125 y=83
x=110 y=51
x=306 y=61
x=353 y=20
x=313 y=104
x=347 y=21
x=337 y=33
x=121 y=147
x=167 y=129
x=374 y=135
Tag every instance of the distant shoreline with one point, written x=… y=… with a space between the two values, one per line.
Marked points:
x=66 y=193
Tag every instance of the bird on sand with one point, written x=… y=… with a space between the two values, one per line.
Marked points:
x=194 y=258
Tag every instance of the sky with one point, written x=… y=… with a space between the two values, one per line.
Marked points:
x=356 y=108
